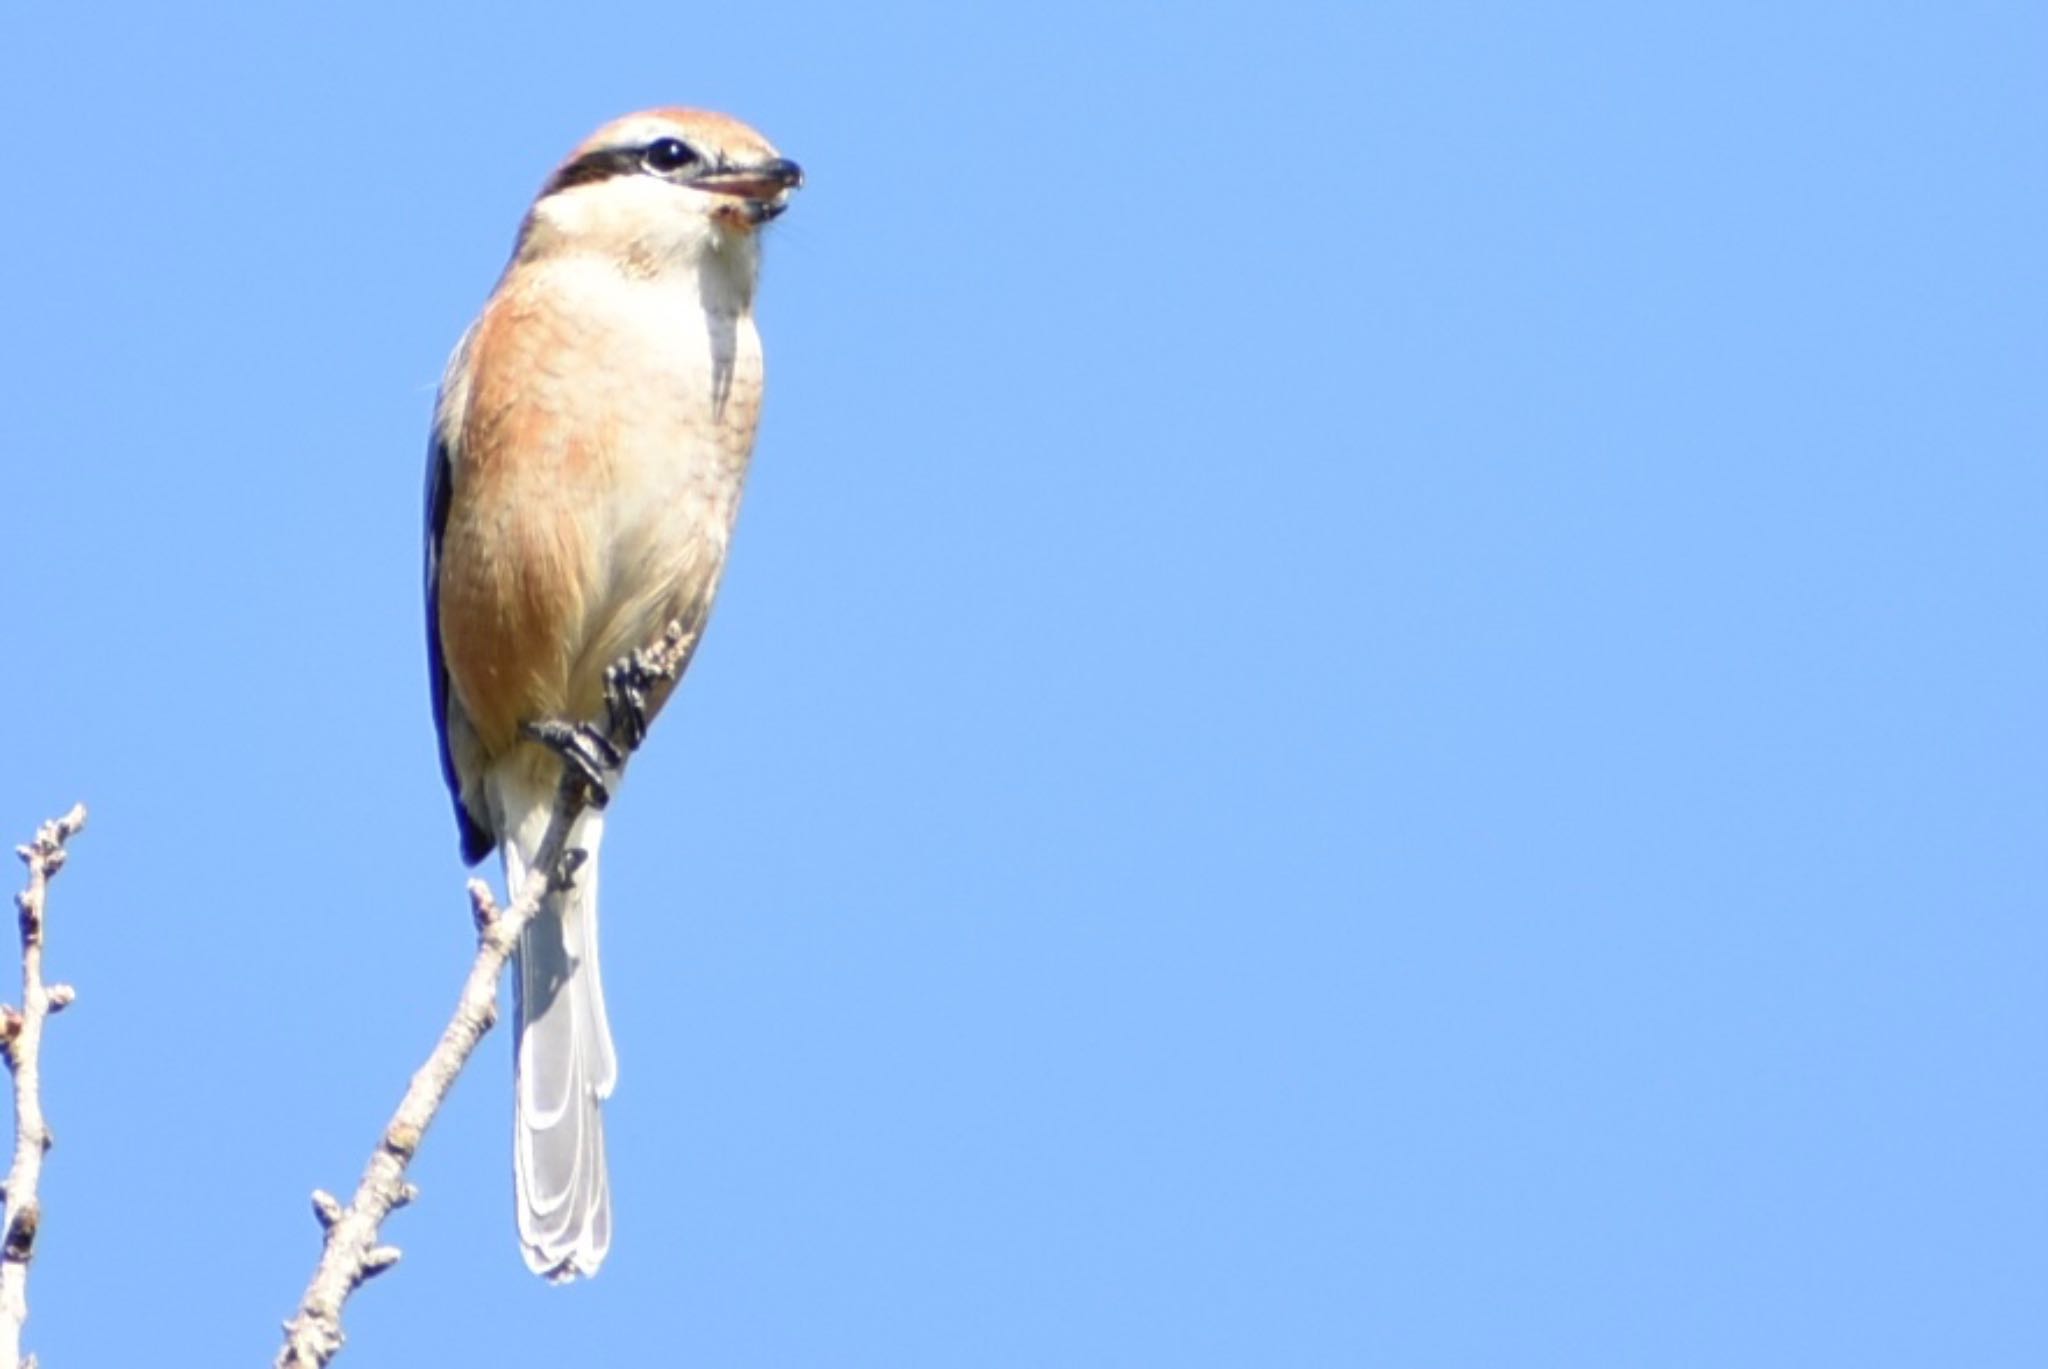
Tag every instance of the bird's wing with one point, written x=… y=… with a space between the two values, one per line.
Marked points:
x=477 y=840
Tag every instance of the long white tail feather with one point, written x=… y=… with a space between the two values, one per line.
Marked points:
x=563 y=1061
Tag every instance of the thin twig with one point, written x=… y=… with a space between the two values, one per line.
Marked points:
x=21 y=1041
x=353 y=1253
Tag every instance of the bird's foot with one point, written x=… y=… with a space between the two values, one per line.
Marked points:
x=626 y=682
x=588 y=756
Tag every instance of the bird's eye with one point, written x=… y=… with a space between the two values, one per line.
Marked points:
x=667 y=154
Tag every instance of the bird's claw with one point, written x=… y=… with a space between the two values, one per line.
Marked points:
x=626 y=681
x=586 y=753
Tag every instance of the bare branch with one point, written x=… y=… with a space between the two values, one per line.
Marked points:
x=353 y=1253
x=21 y=1041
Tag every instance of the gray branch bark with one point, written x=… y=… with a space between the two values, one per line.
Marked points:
x=21 y=1041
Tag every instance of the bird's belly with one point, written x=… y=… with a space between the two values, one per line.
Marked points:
x=669 y=527
x=671 y=494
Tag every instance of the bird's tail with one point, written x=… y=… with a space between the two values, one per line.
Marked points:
x=563 y=1061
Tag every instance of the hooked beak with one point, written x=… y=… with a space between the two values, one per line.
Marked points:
x=765 y=186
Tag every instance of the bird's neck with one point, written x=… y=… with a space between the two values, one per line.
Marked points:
x=718 y=262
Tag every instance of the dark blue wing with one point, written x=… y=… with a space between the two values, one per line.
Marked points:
x=477 y=840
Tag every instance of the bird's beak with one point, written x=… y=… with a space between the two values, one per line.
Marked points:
x=765 y=186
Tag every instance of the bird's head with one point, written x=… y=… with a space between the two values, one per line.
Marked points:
x=661 y=190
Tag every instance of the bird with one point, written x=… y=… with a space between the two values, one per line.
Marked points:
x=588 y=450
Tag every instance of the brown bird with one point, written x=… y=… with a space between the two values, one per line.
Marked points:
x=589 y=447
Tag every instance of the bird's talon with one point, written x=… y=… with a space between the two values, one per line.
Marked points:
x=625 y=698
x=586 y=754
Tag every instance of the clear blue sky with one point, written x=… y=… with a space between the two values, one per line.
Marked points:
x=1381 y=700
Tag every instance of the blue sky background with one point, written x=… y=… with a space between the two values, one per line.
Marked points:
x=1380 y=702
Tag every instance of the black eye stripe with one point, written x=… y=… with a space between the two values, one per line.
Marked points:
x=600 y=165
x=662 y=156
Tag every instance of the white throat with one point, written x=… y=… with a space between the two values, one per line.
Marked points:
x=648 y=231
